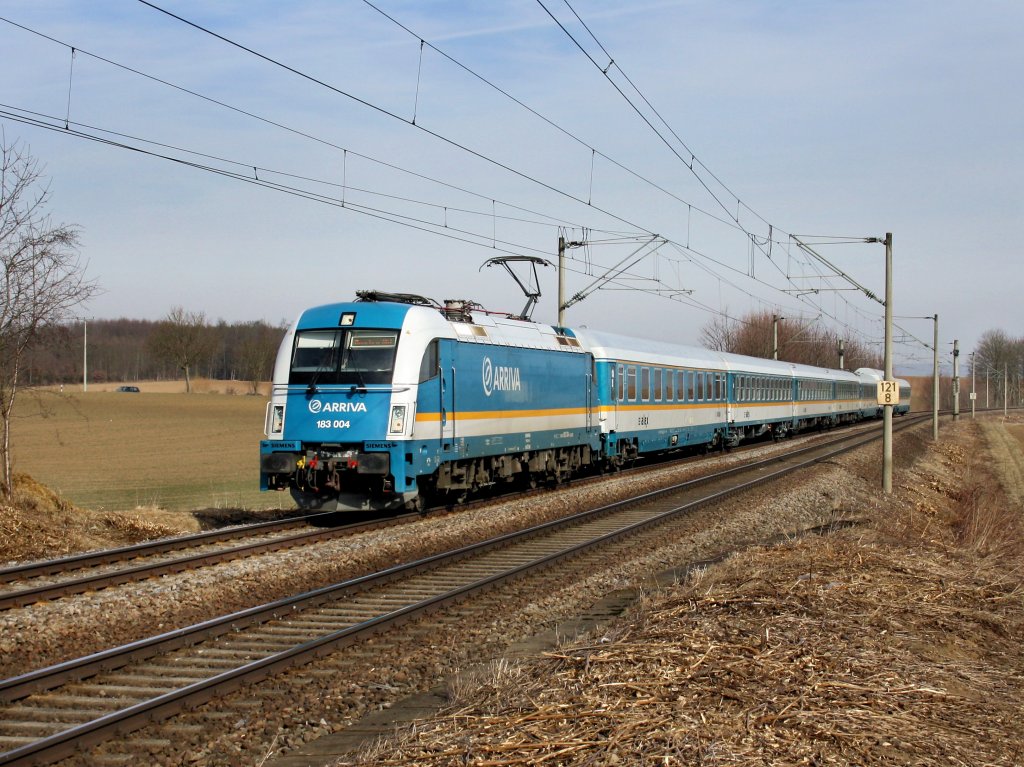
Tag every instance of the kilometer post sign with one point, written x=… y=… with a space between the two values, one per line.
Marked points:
x=888 y=393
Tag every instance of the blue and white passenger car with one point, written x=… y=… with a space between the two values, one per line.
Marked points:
x=657 y=396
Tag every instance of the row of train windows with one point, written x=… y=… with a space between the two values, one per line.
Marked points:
x=660 y=385
x=814 y=390
x=762 y=389
x=772 y=389
x=769 y=389
x=854 y=390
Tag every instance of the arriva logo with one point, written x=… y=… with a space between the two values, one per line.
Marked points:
x=316 y=406
x=500 y=378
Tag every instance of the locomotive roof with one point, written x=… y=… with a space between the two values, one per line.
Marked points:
x=468 y=326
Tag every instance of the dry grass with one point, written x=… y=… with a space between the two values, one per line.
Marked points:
x=114 y=451
x=892 y=643
x=41 y=524
x=1006 y=444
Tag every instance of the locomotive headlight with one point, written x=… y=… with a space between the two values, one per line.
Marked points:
x=275 y=420
x=397 y=419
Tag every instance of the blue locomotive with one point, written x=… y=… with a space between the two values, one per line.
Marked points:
x=392 y=399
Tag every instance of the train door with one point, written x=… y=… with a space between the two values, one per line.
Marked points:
x=591 y=382
x=731 y=386
x=614 y=396
x=448 y=384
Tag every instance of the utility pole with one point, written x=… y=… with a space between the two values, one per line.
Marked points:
x=85 y=355
x=775 y=335
x=842 y=354
x=562 y=245
x=935 y=382
x=887 y=409
x=561 y=282
x=974 y=392
x=956 y=379
x=1006 y=387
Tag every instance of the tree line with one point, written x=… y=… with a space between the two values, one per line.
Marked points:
x=998 y=367
x=182 y=345
x=804 y=342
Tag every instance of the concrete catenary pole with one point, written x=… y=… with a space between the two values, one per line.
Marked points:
x=561 y=282
x=956 y=379
x=775 y=336
x=935 y=382
x=842 y=355
x=887 y=409
x=1006 y=387
x=85 y=355
x=974 y=391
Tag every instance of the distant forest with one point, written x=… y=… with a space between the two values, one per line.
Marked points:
x=128 y=350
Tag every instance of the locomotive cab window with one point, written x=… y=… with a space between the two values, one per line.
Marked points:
x=343 y=356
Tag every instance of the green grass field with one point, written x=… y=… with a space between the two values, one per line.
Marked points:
x=116 y=451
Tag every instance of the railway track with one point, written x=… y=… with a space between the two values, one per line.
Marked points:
x=50 y=713
x=52 y=579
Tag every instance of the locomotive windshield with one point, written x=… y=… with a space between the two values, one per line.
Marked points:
x=338 y=356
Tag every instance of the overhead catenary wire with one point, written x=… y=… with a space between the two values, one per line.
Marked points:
x=767 y=241
x=432 y=133
x=392 y=215
x=693 y=158
x=594 y=152
x=240 y=175
x=290 y=129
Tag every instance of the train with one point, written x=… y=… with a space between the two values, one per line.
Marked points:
x=395 y=401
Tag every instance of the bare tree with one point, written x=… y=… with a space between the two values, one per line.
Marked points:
x=719 y=334
x=42 y=280
x=182 y=338
x=800 y=340
x=256 y=354
x=1000 y=358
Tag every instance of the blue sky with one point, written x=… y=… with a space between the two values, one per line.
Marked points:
x=845 y=119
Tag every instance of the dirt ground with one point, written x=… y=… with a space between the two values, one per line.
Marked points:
x=41 y=524
x=895 y=640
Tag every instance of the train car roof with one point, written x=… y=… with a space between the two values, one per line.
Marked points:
x=612 y=346
x=872 y=374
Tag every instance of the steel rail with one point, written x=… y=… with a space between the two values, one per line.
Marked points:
x=20 y=597
x=147 y=548
x=164 y=705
